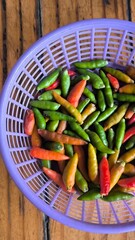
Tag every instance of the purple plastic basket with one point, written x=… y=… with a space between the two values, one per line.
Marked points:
x=110 y=39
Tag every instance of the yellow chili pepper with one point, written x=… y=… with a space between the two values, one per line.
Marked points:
x=92 y=163
x=70 y=171
x=116 y=116
x=129 y=88
x=116 y=173
x=112 y=159
x=128 y=156
x=88 y=110
x=129 y=170
x=69 y=107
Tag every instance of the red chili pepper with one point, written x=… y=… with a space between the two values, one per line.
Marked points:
x=29 y=122
x=71 y=73
x=114 y=82
x=131 y=120
x=127 y=182
x=104 y=176
x=129 y=133
x=54 y=85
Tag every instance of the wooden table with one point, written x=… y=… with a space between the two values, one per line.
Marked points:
x=22 y=22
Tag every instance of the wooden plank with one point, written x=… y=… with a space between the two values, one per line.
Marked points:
x=132 y=13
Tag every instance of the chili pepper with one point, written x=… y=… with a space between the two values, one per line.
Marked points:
x=129 y=170
x=53 y=85
x=40 y=121
x=90 y=119
x=92 y=194
x=80 y=181
x=104 y=177
x=120 y=132
x=103 y=116
x=110 y=137
x=130 y=143
x=79 y=130
x=52 y=125
x=126 y=190
x=83 y=104
x=92 y=163
x=118 y=74
x=131 y=120
x=112 y=159
x=96 y=63
x=65 y=82
x=70 y=171
x=71 y=109
x=98 y=144
x=48 y=94
x=95 y=80
x=29 y=122
x=69 y=150
x=46 y=163
x=101 y=101
x=42 y=104
x=128 y=156
x=70 y=133
x=115 y=173
x=71 y=72
x=54 y=136
x=49 y=80
x=76 y=93
x=129 y=133
x=117 y=196
x=130 y=71
x=53 y=115
x=116 y=116
x=79 y=78
x=127 y=182
x=89 y=94
x=101 y=133
x=107 y=90
x=54 y=146
x=128 y=88
x=57 y=178
x=123 y=97
x=88 y=110
x=40 y=153
x=113 y=81
x=62 y=126
x=82 y=165
x=36 y=140
x=130 y=111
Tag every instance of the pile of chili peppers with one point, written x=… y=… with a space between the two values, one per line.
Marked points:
x=82 y=123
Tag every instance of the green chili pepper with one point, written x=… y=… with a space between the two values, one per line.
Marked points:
x=101 y=101
x=44 y=104
x=65 y=82
x=69 y=150
x=120 y=132
x=52 y=125
x=104 y=115
x=46 y=163
x=70 y=133
x=101 y=133
x=53 y=115
x=96 y=63
x=95 y=80
x=79 y=130
x=89 y=94
x=98 y=144
x=90 y=120
x=79 y=78
x=123 y=97
x=40 y=121
x=119 y=75
x=83 y=104
x=130 y=143
x=54 y=146
x=48 y=94
x=80 y=181
x=116 y=196
x=107 y=90
x=110 y=137
x=90 y=195
x=48 y=80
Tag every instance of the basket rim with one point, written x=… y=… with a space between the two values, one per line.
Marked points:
x=88 y=227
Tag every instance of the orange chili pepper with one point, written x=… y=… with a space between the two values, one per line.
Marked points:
x=29 y=122
x=36 y=140
x=128 y=88
x=112 y=159
x=116 y=173
x=128 y=156
x=129 y=170
x=88 y=110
